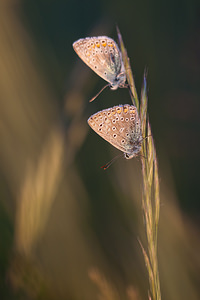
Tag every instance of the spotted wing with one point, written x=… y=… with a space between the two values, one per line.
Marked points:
x=120 y=126
x=102 y=55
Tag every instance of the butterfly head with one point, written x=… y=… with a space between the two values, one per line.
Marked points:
x=136 y=149
x=119 y=81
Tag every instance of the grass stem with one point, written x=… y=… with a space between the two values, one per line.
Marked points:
x=151 y=194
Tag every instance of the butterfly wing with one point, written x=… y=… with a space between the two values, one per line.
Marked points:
x=102 y=55
x=120 y=126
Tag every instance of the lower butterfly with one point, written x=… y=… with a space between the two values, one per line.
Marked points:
x=120 y=126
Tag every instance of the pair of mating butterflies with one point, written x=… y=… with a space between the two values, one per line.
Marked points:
x=119 y=125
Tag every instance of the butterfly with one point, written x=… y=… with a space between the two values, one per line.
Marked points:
x=103 y=56
x=120 y=126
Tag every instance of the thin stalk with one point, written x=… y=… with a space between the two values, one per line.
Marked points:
x=151 y=195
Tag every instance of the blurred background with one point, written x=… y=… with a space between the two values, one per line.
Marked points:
x=70 y=230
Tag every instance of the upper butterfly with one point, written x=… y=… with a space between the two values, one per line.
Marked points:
x=103 y=56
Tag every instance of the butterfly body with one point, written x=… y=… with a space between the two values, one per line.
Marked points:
x=103 y=56
x=120 y=126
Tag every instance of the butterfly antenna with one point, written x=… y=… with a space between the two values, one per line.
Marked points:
x=146 y=137
x=99 y=92
x=106 y=166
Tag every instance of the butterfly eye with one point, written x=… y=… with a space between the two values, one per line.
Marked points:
x=114 y=135
x=122 y=141
x=122 y=119
x=132 y=118
x=114 y=128
x=126 y=119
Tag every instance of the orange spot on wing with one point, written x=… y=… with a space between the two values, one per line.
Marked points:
x=132 y=110
x=125 y=109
